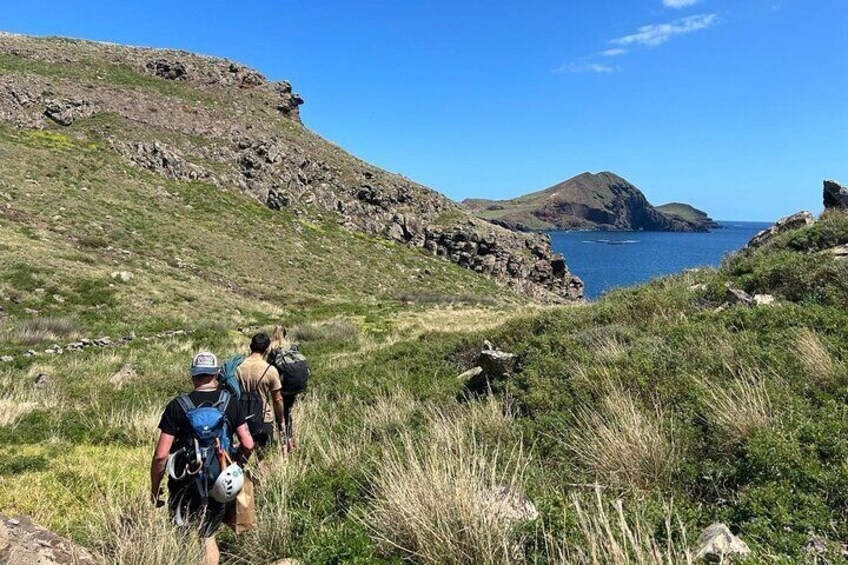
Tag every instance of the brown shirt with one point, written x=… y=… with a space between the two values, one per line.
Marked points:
x=255 y=375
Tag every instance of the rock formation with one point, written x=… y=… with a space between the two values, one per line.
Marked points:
x=789 y=223
x=602 y=201
x=191 y=118
x=835 y=196
x=24 y=543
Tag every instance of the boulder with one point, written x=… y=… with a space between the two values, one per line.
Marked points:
x=835 y=196
x=764 y=300
x=43 y=380
x=168 y=70
x=7 y=358
x=24 y=543
x=789 y=223
x=717 y=545
x=123 y=276
x=64 y=112
x=126 y=373
x=839 y=252
x=736 y=297
x=508 y=503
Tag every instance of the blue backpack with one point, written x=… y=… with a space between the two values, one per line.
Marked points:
x=210 y=432
x=227 y=377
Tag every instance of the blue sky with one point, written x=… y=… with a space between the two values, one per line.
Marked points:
x=737 y=107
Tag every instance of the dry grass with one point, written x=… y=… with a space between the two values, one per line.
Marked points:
x=40 y=330
x=136 y=533
x=18 y=397
x=737 y=410
x=137 y=425
x=337 y=330
x=616 y=538
x=621 y=445
x=814 y=358
x=429 y=496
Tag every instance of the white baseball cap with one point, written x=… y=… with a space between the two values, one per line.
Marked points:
x=204 y=363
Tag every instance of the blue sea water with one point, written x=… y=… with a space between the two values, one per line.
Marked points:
x=607 y=260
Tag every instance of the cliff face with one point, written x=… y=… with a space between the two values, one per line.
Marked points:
x=602 y=201
x=195 y=118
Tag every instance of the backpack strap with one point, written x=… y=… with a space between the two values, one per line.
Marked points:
x=185 y=403
x=223 y=401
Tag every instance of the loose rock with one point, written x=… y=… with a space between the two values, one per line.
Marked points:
x=123 y=276
x=43 y=380
x=126 y=373
x=717 y=544
x=764 y=300
x=736 y=297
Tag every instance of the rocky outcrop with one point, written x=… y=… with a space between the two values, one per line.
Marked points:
x=64 y=112
x=717 y=544
x=835 y=196
x=24 y=543
x=789 y=223
x=161 y=159
x=226 y=125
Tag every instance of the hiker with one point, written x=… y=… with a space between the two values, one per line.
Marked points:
x=294 y=375
x=258 y=378
x=195 y=439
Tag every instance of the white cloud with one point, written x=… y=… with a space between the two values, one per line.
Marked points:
x=657 y=34
x=586 y=68
x=613 y=52
x=679 y=3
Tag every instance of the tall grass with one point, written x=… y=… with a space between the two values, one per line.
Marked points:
x=134 y=532
x=622 y=446
x=740 y=408
x=432 y=497
x=610 y=536
x=40 y=330
x=814 y=358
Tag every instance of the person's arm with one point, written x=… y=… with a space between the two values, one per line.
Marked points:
x=246 y=444
x=157 y=466
x=277 y=398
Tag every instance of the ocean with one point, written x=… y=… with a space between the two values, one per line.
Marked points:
x=607 y=260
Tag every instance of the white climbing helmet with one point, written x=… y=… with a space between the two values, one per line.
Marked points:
x=228 y=484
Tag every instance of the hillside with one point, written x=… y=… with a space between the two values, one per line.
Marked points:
x=688 y=213
x=615 y=431
x=602 y=201
x=222 y=126
x=657 y=411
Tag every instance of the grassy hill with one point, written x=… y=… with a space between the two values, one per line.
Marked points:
x=631 y=423
x=602 y=201
x=686 y=212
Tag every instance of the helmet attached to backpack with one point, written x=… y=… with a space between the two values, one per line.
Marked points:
x=228 y=484
x=206 y=449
